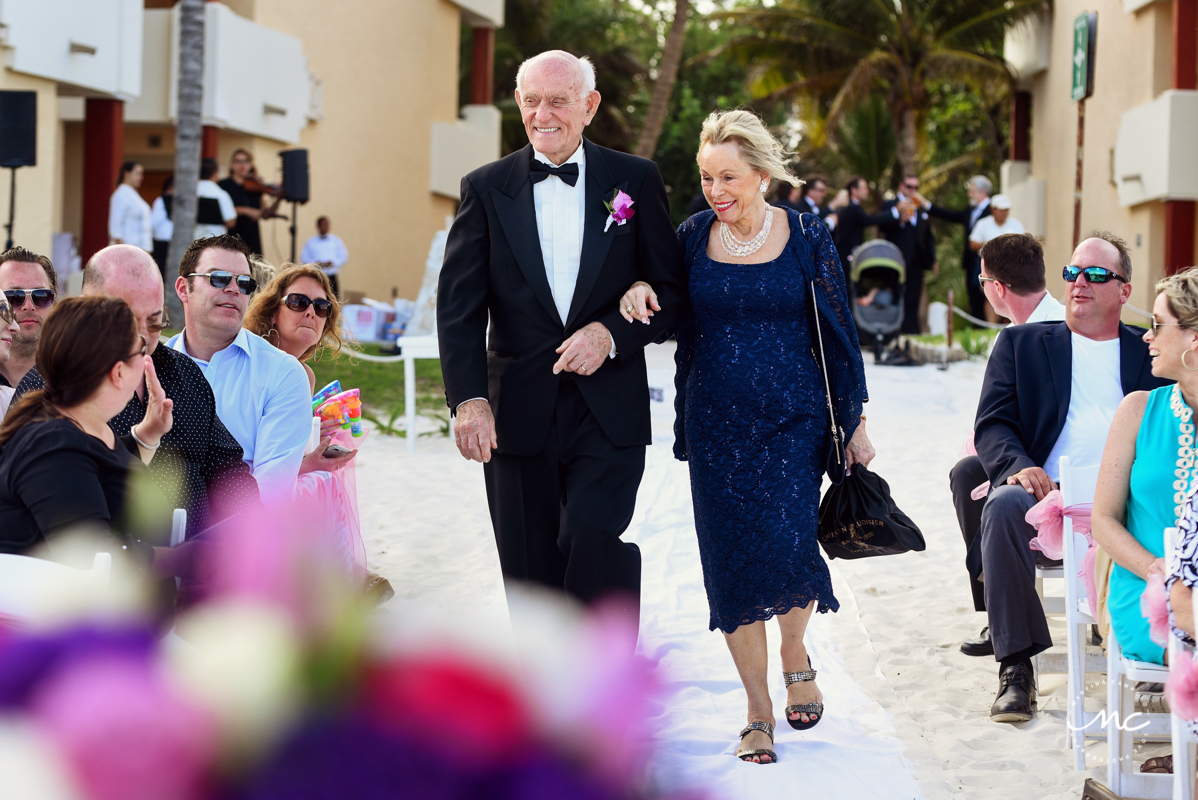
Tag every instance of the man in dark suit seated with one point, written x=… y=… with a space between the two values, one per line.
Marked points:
x=1051 y=389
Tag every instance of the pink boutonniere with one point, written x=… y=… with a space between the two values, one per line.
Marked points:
x=619 y=208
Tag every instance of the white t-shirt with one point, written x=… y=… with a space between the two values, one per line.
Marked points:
x=1095 y=393
x=227 y=211
x=987 y=229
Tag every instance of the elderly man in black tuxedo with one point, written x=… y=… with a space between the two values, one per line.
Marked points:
x=1051 y=389
x=546 y=379
x=979 y=189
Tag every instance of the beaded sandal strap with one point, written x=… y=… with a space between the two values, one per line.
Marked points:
x=806 y=708
x=798 y=677
x=765 y=727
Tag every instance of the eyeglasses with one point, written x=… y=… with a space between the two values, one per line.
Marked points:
x=1154 y=325
x=6 y=312
x=42 y=298
x=141 y=352
x=983 y=280
x=299 y=303
x=221 y=279
x=159 y=325
x=1093 y=274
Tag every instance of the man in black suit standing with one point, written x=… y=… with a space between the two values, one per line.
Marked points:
x=909 y=230
x=546 y=379
x=851 y=220
x=979 y=189
x=1051 y=389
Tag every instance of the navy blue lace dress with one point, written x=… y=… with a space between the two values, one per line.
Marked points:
x=752 y=419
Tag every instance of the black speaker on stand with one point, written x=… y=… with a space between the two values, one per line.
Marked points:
x=295 y=186
x=18 y=142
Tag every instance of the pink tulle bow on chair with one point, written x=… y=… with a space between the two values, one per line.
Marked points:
x=1154 y=607
x=1048 y=518
x=1181 y=689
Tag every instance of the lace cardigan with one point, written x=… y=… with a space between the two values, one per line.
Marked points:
x=846 y=371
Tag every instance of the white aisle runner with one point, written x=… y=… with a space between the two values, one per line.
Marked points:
x=854 y=752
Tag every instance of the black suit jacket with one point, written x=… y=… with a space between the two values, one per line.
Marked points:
x=970 y=260
x=1025 y=397
x=851 y=222
x=497 y=324
x=914 y=239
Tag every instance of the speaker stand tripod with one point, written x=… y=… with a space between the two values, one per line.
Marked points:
x=12 y=206
x=294 y=214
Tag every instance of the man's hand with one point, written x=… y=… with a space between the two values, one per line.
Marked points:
x=1034 y=480
x=474 y=430
x=585 y=351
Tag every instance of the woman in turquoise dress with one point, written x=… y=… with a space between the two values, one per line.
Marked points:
x=1151 y=439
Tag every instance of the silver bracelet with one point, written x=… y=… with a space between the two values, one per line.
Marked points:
x=136 y=438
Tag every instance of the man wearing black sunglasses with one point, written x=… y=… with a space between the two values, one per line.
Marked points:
x=1051 y=390
x=261 y=392
x=30 y=285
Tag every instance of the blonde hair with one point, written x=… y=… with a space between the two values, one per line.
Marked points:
x=758 y=147
x=1181 y=293
x=260 y=315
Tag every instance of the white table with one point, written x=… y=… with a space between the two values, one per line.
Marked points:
x=412 y=348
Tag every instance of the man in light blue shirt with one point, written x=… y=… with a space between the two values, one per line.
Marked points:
x=261 y=392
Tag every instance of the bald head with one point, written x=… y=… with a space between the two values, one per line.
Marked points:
x=128 y=272
x=579 y=73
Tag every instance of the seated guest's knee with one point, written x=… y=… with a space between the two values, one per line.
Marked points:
x=1007 y=504
x=966 y=475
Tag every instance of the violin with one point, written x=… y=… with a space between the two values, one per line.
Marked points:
x=254 y=184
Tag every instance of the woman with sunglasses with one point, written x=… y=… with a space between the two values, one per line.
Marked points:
x=61 y=465
x=8 y=329
x=298 y=313
x=1149 y=448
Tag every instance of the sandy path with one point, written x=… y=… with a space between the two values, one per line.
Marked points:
x=906 y=711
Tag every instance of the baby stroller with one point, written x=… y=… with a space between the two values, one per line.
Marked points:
x=877 y=281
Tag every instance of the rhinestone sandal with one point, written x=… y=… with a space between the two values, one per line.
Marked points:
x=768 y=729
x=816 y=709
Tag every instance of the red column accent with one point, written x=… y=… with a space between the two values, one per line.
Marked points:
x=103 y=148
x=1021 y=126
x=1179 y=214
x=482 y=66
x=209 y=145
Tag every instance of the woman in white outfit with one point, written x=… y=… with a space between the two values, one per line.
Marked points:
x=128 y=214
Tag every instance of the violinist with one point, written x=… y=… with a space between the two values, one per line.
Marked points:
x=247 y=190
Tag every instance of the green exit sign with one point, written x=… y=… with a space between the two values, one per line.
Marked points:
x=1085 y=32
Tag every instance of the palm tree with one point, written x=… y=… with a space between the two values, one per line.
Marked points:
x=188 y=138
x=663 y=87
x=841 y=51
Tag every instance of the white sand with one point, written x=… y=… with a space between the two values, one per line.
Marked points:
x=906 y=711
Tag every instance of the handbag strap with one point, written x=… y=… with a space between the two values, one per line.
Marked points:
x=823 y=366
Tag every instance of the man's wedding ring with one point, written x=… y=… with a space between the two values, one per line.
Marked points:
x=583 y=368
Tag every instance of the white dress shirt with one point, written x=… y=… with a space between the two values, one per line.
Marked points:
x=227 y=211
x=129 y=218
x=1049 y=310
x=161 y=225
x=561 y=219
x=262 y=397
x=325 y=248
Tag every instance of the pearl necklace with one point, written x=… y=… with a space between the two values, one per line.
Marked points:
x=738 y=249
x=1185 y=451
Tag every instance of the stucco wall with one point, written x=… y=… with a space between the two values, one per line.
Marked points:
x=1132 y=66
x=39 y=202
x=389 y=70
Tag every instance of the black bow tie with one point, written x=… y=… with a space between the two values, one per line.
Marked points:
x=540 y=171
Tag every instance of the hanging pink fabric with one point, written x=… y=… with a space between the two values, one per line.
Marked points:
x=1048 y=518
x=1154 y=607
x=336 y=494
x=1181 y=689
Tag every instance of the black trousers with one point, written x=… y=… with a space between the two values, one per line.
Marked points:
x=966 y=476
x=911 y=298
x=336 y=286
x=559 y=514
x=160 y=253
x=973 y=285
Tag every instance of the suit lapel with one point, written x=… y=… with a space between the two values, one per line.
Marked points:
x=1059 y=347
x=600 y=186
x=1131 y=359
x=518 y=217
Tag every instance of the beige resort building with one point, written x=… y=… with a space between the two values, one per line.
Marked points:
x=368 y=87
x=1140 y=168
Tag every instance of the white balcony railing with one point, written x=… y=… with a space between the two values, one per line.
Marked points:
x=92 y=44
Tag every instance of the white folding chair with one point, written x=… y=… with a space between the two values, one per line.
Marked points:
x=1183 y=740
x=178 y=527
x=28 y=584
x=1121 y=675
x=1077 y=486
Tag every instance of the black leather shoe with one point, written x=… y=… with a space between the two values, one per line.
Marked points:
x=1016 y=701
x=980 y=646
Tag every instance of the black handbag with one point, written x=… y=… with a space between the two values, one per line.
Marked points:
x=834 y=455
x=858 y=519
